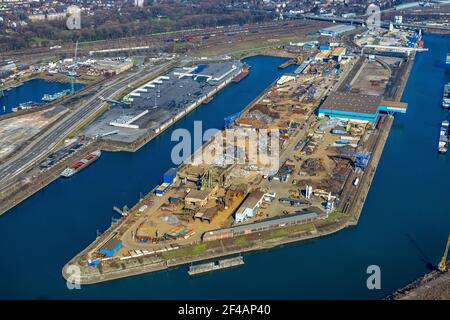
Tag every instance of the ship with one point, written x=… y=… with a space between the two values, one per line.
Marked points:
x=447 y=61
x=241 y=75
x=446 y=96
x=79 y=165
x=443 y=137
x=52 y=97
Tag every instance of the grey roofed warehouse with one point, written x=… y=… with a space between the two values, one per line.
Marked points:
x=352 y=102
x=336 y=30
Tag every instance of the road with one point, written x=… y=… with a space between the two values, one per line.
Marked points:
x=43 y=144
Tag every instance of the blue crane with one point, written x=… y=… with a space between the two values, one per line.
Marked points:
x=230 y=119
x=360 y=159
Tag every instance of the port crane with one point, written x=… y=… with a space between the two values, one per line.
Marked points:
x=360 y=159
x=443 y=263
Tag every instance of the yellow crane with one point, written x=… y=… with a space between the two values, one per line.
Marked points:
x=443 y=263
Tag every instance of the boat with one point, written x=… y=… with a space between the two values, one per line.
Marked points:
x=446 y=96
x=443 y=137
x=241 y=75
x=52 y=97
x=215 y=265
x=447 y=61
x=79 y=165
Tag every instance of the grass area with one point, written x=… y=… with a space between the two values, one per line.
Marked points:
x=283 y=232
x=241 y=241
x=192 y=250
x=332 y=217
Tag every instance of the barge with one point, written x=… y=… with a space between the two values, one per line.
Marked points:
x=446 y=96
x=79 y=165
x=52 y=97
x=215 y=265
x=244 y=73
x=443 y=137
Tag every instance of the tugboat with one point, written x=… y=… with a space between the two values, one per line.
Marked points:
x=443 y=137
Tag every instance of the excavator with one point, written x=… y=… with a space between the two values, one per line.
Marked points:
x=442 y=266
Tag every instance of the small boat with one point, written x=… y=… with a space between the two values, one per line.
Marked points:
x=443 y=137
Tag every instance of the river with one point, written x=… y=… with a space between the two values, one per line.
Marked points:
x=402 y=229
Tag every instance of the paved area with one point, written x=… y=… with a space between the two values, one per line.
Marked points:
x=164 y=99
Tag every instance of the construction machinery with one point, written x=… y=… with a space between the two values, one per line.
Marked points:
x=443 y=263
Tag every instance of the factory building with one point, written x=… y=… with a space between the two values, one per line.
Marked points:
x=250 y=206
x=300 y=217
x=336 y=30
x=199 y=198
x=358 y=107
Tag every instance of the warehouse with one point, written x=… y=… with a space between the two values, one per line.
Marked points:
x=304 y=216
x=250 y=206
x=336 y=30
x=358 y=107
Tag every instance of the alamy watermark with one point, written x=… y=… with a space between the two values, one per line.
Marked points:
x=374 y=280
x=374 y=17
x=258 y=149
x=73 y=22
x=74 y=278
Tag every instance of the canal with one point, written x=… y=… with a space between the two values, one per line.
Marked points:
x=402 y=229
x=32 y=90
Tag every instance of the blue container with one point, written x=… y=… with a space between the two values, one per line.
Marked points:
x=170 y=175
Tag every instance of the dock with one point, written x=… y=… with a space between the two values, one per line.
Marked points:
x=215 y=265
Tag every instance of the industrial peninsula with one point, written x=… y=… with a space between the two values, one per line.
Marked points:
x=333 y=114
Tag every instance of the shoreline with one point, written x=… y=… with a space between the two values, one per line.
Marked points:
x=220 y=250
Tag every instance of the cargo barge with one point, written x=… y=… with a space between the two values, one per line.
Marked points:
x=443 y=137
x=244 y=72
x=79 y=165
x=52 y=97
x=215 y=265
x=446 y=96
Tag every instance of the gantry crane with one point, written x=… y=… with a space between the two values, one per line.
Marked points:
x=443 y=263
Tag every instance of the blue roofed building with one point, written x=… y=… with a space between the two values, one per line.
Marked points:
x=358 y=107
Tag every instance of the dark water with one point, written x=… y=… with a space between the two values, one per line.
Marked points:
x=33 y=90
x=403 y=226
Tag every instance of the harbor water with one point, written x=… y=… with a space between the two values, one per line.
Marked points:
x=33 y=90
x=402 y=229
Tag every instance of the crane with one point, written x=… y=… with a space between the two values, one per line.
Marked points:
x=230 y=119
x=443 y=263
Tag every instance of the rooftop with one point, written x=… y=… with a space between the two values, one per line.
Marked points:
x=352 y=102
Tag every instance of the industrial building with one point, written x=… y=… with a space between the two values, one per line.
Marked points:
x=250 y=206
x=358 y=107
x=113 y=67
x=304 y=216
x=336 y=30
x=199 y=198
